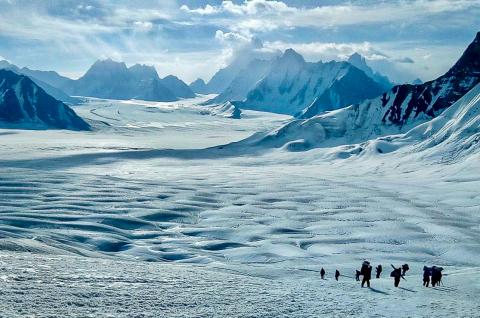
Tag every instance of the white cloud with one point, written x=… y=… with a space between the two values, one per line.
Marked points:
x=143 y=25
x=315 y=51
x=277 y=14
x=140 y=31
x=250 y=7
x=231 y=37
x=208 y=9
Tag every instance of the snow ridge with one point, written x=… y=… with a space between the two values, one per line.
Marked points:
x=25 y=105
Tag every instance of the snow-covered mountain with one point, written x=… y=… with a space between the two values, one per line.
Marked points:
x=292 y=84
x=49 y=81
x=359 y=62
x=177 y=87
x=396 y=111
x=451 y=136
x=23 y=104
x=199 y=86
x=104 y=79
x=110 y=79
x=223 y=78
x=454 y=133
x=244 y=81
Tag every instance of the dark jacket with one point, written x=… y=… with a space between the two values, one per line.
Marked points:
x=426 y=273
x=366 y=271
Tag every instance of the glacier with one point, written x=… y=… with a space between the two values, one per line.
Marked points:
x=192 y=221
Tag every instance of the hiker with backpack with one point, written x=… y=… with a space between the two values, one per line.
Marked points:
x=396 y=274
x=405 y=268
x=436 y=275
x=357 y=275
x=378 y=269
x=337 y=274
x=427 y=272
x=366 y=271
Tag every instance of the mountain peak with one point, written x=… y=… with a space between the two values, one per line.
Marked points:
x=469 y=62
x=5 y=64
x=171 y=77
x=356 y=57
x=141 y=67
x=143 y=71
x=292 y=55
x=108 y=63
x=199 y=86
x=198 y=81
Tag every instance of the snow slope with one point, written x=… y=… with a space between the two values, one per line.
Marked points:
x=23 y=104
x=456 y=130
x=451 y=136
x=60 y=286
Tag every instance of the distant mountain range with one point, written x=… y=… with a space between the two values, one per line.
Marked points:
x=110 y=79
x=24 y=104
x=288 y=84
x=292 y=84
x=49 y=81
x=395 y=111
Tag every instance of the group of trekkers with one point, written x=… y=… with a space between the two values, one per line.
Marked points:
x=430 y=274
x=435 y=273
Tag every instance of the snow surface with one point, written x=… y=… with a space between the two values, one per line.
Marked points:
x=233 y=231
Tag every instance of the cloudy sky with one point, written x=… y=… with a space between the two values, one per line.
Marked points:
x=194 y=38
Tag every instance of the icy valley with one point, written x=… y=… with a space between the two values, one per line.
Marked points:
x=150 y=214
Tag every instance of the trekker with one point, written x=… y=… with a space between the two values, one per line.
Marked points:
x=357 y=275
x=337 y=274
x=366 y=271
x=378 y=269
x=322 y=273
x=396 y=274
x=436 y=275
x=405 y=268
x=426 y=275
